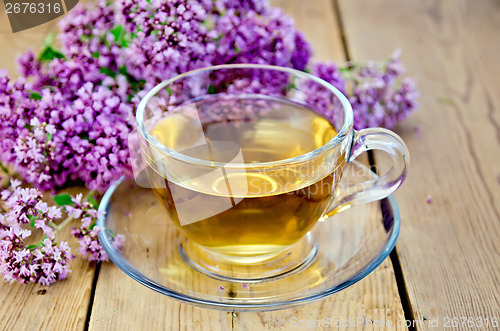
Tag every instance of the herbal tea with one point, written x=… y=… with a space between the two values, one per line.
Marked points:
x=245 y=212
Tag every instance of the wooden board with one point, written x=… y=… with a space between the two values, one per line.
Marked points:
x=120 y=303
x=60 y=306
x=317 y=20
x=14 y=44
x=63 y=305
x=449 y=249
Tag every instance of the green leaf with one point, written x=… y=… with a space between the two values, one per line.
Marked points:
x=85 y=39
x=92 y=226
x=49 y=53
x=446 y=101
x=209 y=23
x=211 y=89
x=95 y=55
x=123 y=71
x=32 y=220
x=84 y=135
x=49 y=137
x=4 y=168
x=169 y=91
x=32 y=246
x=137 y=85
x=119 y=33
x=49 y=40
x=62 y=199
x=35 y=95
x=93 y=202
x=108 y=72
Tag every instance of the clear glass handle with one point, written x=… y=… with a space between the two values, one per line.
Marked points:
x=349 y=194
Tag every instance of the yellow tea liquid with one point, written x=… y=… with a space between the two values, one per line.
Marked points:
x=277 y=209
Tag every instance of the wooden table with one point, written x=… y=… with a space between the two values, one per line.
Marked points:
x=446 y=264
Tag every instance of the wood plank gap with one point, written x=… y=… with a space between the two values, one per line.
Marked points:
x=398 y=273
x=340 y=24
x=92 y=295
x=396 y=265
x=401 y=286
x=403 y=292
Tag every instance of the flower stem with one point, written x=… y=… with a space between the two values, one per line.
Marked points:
x=3 y=208
x=64 y=223
x=70 y=218
x=91 y=193
x=4 y=169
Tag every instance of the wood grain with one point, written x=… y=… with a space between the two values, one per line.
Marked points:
x=14 y=44
x=64 y=305
x=317 y=20
x=60 y=306
x=120 y=303
x=449 y=249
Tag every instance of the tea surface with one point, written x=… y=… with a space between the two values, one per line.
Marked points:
x=244 y=212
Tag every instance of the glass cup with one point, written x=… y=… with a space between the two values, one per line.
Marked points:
x=247 y=158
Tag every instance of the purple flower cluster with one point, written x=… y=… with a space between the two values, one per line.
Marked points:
x=88 y=231
x=165 y=38
x=379 y=93
x=43 y=263
x=83 y=97
x=68 y=123
x=320 y=98
x=258 y=6
x=249 y=37
x=25 y=206
x=22 y=211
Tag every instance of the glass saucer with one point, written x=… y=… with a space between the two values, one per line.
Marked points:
x=344 y=249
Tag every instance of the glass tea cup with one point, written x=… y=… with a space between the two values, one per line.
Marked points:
x=247 y=158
